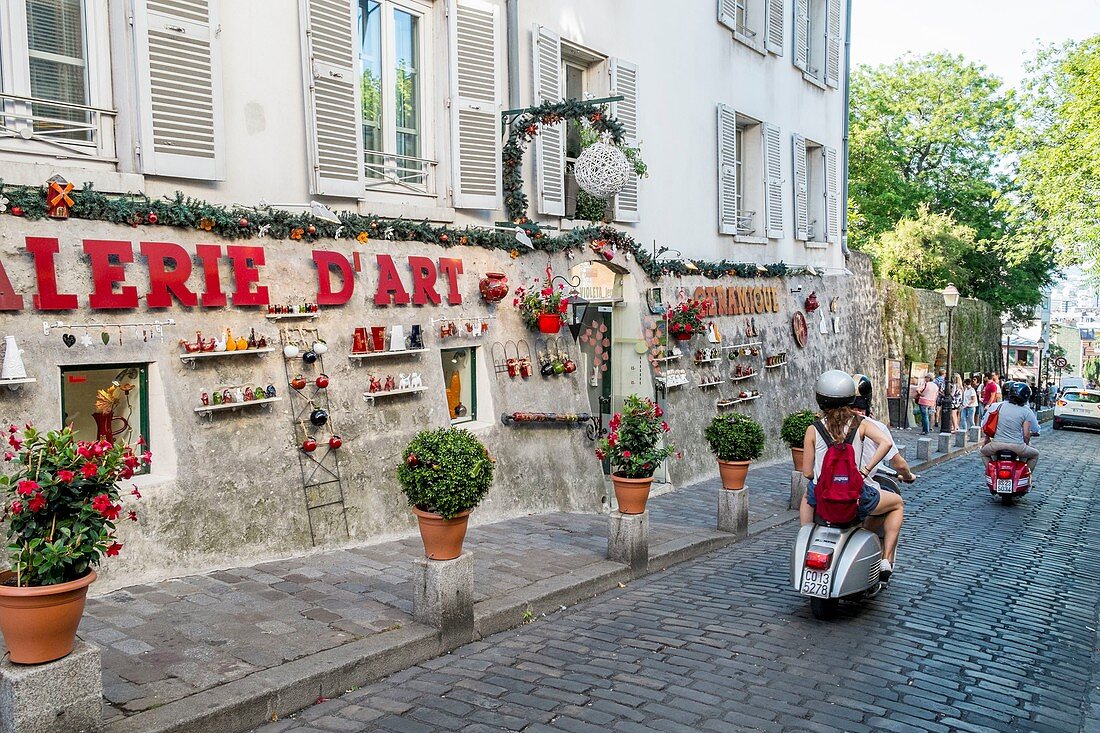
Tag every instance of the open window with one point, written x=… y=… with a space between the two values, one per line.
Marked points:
x=460 y=383
x=106 y=401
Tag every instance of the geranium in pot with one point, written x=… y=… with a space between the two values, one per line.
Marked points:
x=736 y=440
x=793 y=433
x=686 y=319
x=542 y=305
x=62 y=501
x=445 y=474
x=634 y=448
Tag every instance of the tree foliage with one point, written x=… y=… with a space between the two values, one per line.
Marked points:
x=925 y=251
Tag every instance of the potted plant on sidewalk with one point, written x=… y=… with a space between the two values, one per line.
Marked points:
x=793 y=433
x=541 y=305
x=445 y=474
x=634 y=448
x=737 y=440
x=61 y=503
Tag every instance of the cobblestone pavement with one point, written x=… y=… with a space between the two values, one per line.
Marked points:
x=990 y=625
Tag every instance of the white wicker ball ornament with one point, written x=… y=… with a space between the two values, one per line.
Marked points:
x=602 y=170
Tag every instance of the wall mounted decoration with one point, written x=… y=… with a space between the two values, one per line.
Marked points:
x=493 y=287
x=811 y=303
x=800 y=329
x=592 y=424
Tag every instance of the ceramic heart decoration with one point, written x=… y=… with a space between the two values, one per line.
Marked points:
x=105 y=338
x=68 y=339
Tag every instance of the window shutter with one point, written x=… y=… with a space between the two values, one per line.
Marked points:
x=773 y=193
x=727 y=13
x=832 y=199
x=801 y=189
x=727 y=170
x=550 y=142
x=773 y=35
x=333 y=98
x=624 y=81
x=179 y=85
x=475 y=104
x=802 y=34
x=832 y=43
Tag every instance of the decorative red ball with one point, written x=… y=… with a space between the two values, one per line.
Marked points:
x=151 y=218
x=335 y=442
x=309 y=445
x=311 y=229
x=17 y=211
x=443 y=237
x=242 y=223
x=412 y=460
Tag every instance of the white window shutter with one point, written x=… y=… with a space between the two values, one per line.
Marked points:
x=475 y=103
x=773 y=189
x=801 y=188
x=332 y=97
x=550 y=142
x=832 y=43
x=727 y=13
x=802 y=34
x=727 y=170
x=773 y=20
x=832 y=198
x=176 y=52
x=624 y=81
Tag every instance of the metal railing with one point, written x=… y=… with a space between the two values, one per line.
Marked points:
x=745 y=223
x=383 y=169
x=64 y=128
x=811 y=231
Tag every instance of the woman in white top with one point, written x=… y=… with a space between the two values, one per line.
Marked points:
x=970 y=404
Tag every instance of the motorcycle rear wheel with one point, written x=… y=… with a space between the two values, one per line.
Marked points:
x=1007 y=500
x=824 y=609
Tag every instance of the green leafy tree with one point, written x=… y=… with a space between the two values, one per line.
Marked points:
x=926 y=251
x=1091 y=372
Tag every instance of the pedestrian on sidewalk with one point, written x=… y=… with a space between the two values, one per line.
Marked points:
x=941 y=383
x=969 y=404
x=956 y=401
x=926 y=399
x=990 y=392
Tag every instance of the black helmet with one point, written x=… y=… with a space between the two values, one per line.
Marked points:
x=1018 y=393
x=834 y=389
x=863 y=393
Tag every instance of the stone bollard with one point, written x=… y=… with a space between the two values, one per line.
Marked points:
x=944 y=444
x=798 y=488
x=924 y=449
x=973 y=433
x=960 y=439
x=56 y=697
x=444 y=597
x=902 y=449
x=733 y=512
x=628 y=540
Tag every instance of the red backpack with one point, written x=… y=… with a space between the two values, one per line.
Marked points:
x=840 y=483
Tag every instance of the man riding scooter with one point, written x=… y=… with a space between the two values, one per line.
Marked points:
x=862 y=407
x=1016 y=424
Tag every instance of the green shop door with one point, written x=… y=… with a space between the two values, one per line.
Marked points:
x=595 y=347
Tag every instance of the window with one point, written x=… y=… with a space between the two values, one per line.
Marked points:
x=750 y=175
x=460 y=383
x=1091 y=399
x=817 y=31
x=122 y=413
x=815 y=192
x=392 y=83
x=756 y=23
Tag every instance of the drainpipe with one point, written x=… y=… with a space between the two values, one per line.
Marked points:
x=844 y=139
x=511 y=21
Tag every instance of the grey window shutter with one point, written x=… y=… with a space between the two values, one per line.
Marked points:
x=832 y=43
x=332 y=97
x=475 y=103
x=550 y=142
x=773 y=189
x=624 y=81
x=727 y=13
x=832 y=199
x=727 y=170
x=179 y=86
x=801 y=56
x=801 y=188
x=773 y=20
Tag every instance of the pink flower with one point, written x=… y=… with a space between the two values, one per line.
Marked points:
x=16 y=507
x=659 y=412
x=613 y=440
x=126 y=472
x=600 y=454
x=89 y=470
x=136 y=493
x=65 y=475
x=113 y=549
x=664 y=426
x=627 y=454
x=147 y=457
x=12 y=429
x=9 y=456
x=101 y=502
x=36 y=503
x=132 y=516
x=547 y=291
x=15 y=442
x=26 y=488
x=84 y=450
x=130 y=460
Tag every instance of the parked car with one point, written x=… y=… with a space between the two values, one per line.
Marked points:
x=1078 y=407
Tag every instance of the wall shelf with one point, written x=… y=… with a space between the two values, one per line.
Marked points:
x=673 y=357
x=206 y=409
x=374 y=354
x=17 y=383
x=743 y=377
x=709 y=361
x=737 y=400
x=193 y=357
x=748 y=345
x=711 y=384
x=290 y=316
x=371 y=396
x=775 y=366
x=674 y=383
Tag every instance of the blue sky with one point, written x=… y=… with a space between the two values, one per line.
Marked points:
x=997 y=33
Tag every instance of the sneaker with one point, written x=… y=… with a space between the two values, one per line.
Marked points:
x=885 y=570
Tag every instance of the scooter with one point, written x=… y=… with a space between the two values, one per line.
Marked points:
x=831 y=562
x=1007 y=477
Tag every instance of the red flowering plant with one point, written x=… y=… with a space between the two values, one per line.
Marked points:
x=540 y=298
x=62 y=500
x=633 y=444
x=686 y=319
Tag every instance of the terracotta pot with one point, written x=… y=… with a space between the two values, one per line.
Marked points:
x=549 y=322
x=796 y=456
x=733 y=473
x=442 y=537
x=631 y=493
x=39 y=623
x=681 y=336
x=493 y=287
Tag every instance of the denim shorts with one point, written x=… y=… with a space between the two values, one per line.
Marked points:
x=868 y=500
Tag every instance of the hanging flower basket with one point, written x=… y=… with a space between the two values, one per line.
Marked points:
x=549 y=323
x=602 y=170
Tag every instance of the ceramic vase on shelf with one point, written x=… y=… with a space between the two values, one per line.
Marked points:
x=378 y=338
x=13 y=360
x=397 y=338
x=104 y=426
x=359 y=341
x=493 y=287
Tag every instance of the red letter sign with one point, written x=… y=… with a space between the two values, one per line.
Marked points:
x=452 y=268
x=105 y=274
x=47 y=298
x=9 y=299
x=424 y=276
x=164 y=283
x=390 y=288
x=213 y=297
x=247 y=274
x=325 y=261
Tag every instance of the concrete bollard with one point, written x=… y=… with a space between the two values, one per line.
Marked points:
x=628 y=540
x=924 y=449
x=66 y=695
x=798 y=488
x=733 y=511
x=973 y=433
x=944 y=443
x=960 y=439
x=902 y=449
x=444 y=597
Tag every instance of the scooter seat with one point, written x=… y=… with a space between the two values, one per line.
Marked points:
x=837 y=525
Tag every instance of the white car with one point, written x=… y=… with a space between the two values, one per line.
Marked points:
x=1078 y=407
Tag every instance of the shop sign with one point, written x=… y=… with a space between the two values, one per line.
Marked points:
x=736 y=301
x=893 y=379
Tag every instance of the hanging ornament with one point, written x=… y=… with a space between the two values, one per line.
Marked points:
x=602 y=170
x=58 y=200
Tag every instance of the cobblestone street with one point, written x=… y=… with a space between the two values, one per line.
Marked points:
x=989 y=625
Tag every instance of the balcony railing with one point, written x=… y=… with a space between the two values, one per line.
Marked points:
x=745 y=223
x=60 y=128
x=811 y=231
x=386 y=169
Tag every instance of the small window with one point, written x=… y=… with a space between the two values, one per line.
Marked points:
x=1091 y=399
x=815 y=192
x=460 y=383
x=106 y=400
x=750 y=176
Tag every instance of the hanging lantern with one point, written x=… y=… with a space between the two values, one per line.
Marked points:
x=602 y=170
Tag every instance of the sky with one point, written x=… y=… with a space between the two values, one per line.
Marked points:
x=998 y=33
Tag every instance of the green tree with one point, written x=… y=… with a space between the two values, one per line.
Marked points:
x=1091 y=372
x=925 y=251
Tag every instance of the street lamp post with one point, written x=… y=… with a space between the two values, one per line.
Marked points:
x=951 y=300
x=1042 y=344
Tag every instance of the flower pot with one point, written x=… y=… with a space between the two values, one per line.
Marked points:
x=549 y=322
x=796 y=456
x=631 y=493
x=442 y=537
x=681 y=336
x=733 y=473
x=39 y=623
x=493 y=287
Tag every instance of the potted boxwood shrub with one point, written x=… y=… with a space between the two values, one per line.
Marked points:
x=61 y=502
x=445 y=474
x=793 y=433
x=632 y=446
x=737 y=440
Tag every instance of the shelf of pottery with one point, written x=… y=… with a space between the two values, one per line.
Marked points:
x=374 y=342
x=231 y=397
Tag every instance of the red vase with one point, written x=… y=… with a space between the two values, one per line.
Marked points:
x=493 y=287
x=549 y=322
x=104 y=426
x=681 y=336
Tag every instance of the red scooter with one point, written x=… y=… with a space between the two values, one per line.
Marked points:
x=1007 y=476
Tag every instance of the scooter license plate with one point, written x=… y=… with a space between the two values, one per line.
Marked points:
x=1004 y=486
x=816 y=583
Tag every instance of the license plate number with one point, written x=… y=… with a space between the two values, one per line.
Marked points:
x=1004 y=486
x=816 y=583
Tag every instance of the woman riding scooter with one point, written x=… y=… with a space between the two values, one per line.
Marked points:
x=1016 y=424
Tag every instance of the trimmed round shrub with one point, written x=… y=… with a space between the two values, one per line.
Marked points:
x=735 y=436
x=445 y=471
x=795 y=425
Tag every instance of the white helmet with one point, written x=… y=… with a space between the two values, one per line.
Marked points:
x=835 y=388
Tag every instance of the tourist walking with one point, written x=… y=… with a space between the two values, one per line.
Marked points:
x=956 y=401
x=926 y=400
x=969 y=404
